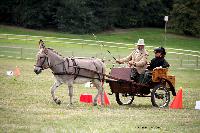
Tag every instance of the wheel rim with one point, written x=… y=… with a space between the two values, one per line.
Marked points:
x=125 y=99
x=161 y=96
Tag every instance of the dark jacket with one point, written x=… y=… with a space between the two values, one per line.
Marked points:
x=157 y=62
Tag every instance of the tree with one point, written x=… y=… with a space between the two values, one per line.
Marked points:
x=88 y=16
x=85 y=16
x=73 y=16
x=186 y=17
x=140 y=13
x=6 y=11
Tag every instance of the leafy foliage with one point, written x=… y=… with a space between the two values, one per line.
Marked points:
x=88 y=16
x=186 y=17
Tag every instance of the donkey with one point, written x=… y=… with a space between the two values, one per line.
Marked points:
x=70 y=71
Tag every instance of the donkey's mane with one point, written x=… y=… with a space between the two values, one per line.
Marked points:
x=54 y=51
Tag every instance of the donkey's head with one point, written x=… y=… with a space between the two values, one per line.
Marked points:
x=41 y=58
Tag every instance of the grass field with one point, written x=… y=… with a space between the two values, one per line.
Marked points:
x=26 y=104
x=152 y=36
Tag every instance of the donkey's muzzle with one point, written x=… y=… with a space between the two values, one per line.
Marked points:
x=37 y=70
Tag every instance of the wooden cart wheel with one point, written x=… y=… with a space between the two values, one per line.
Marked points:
x=124 y=99
x=160 y=96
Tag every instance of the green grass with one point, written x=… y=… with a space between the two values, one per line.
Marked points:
x=26 y=106
x=152 y=36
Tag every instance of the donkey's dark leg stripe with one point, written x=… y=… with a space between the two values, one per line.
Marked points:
x=76 y=75
x=97 y=70
x=64 y=69
x=55 y=99
x=67 y=62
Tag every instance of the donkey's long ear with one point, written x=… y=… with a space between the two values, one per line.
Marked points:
x=41 y=44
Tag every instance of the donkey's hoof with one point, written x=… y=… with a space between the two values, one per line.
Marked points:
x=58 y=102
x=70 y=104
x=94 y=104
x=55 y=99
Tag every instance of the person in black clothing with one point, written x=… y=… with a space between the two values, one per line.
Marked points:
x=158 y=61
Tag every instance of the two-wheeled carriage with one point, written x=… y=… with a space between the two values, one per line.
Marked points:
x=158 y=88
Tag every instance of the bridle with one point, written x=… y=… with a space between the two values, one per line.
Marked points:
x=41 y=61
x=44 y=59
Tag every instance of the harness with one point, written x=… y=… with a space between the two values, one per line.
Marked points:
x=72 y=68
x=75 y=69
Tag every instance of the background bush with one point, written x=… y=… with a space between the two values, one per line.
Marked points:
x=88 y=16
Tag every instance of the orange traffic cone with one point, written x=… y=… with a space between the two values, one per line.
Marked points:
x=177 y=103
x=106 y=99
x=17 y=71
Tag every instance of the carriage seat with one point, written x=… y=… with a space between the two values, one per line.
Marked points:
x=159 y=73
x=121 y=73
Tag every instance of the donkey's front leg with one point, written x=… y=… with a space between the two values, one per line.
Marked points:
x=53 y=89
x=99 y=87
x=70 y=87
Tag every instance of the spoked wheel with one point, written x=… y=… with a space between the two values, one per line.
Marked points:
x=124 y=98
x=160 y=96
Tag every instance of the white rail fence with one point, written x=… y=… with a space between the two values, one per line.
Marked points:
x=177 y=57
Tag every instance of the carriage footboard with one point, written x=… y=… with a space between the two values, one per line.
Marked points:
x=121 y=86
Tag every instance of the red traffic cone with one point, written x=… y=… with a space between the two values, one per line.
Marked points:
x=106 y=99
x=86 y=98
x=17 y=71
x=177 y=103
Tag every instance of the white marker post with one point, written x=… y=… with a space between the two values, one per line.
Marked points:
x=166 y=20
x=197 y=105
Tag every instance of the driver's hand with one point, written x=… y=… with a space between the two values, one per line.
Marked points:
x=131 y=63
x=118 y=61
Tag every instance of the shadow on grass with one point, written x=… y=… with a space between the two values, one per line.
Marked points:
x=89 y=106
x=143 y=106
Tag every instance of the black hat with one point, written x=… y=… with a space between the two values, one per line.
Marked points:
x=160 y=50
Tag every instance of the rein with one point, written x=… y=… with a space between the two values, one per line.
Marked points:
x=104 y=75
x=77 y=70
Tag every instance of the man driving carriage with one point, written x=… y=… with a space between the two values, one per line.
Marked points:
x=137 y=60
x=146 y=79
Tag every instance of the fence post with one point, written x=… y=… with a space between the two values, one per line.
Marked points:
x=181 y=62
x=26 y=39
x=21 y=54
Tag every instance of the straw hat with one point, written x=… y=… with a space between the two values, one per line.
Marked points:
x=140 y=42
